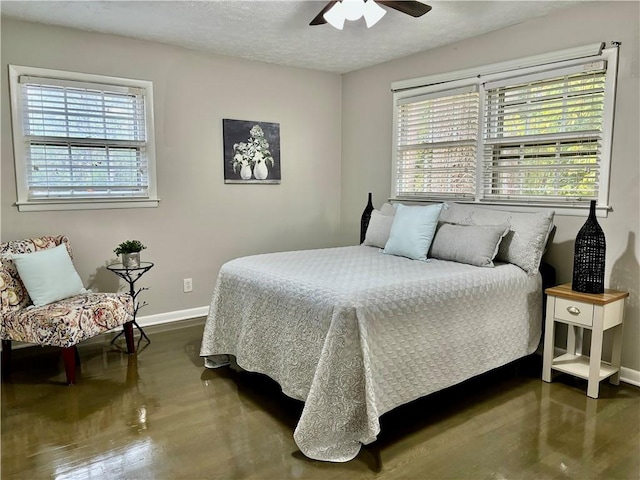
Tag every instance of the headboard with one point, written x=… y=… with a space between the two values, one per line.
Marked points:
x=547 y=271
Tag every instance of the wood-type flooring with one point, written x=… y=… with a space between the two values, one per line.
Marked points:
x=161 y=415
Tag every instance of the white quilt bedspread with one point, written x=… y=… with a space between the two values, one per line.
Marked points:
x=353 y=332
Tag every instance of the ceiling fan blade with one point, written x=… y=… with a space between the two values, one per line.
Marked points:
x=413 y=8
x=319 y=19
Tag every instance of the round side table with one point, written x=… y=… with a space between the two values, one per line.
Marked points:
x=131 y=275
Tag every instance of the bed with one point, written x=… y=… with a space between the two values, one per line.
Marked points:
x=354 y=332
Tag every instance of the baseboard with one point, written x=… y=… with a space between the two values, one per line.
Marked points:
x=168 y=317
x=146 y=321
x=628 y=375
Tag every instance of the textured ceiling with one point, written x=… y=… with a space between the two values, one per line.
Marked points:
x=278 y=31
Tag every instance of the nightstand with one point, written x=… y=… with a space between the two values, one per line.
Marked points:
x=579 y=311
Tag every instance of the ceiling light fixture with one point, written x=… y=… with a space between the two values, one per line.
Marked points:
x=372 y=13
x=337 y=11
x=353 y=10
x=335 y=16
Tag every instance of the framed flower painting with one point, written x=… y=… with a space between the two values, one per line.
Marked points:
x=251 y=151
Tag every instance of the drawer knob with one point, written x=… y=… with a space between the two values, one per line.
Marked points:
x=573 y=310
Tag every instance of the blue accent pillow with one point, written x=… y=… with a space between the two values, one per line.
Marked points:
x=48 y=275
x=412 y=231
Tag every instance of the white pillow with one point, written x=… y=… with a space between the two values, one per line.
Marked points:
x=48 y=275
x=379 y=229
x=412 y=231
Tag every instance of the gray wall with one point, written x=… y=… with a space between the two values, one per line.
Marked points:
x=201 y=222
x=367 y=126
x=336 y=147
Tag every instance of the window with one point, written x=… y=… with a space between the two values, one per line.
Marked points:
x=529 y=133
x=437 y=143
x=543 y=136
x=82 y=141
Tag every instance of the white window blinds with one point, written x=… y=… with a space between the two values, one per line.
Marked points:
x=436 y=143
x=543 y=136
x=83 y=140
x=536 y=131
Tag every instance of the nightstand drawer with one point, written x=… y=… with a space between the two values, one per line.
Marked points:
x=575 y=312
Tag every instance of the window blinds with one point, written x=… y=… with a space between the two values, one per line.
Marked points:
x=436 y=144
x=543 y=136
x=83 y=139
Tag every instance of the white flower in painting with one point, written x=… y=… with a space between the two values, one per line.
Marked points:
x=256 y=131
x=238 y=161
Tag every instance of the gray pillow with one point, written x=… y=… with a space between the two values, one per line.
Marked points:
x=525 y=242
x=473 y=244
x=378 y=230
x=387 y=209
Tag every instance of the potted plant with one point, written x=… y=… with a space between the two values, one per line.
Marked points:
x=130 y=252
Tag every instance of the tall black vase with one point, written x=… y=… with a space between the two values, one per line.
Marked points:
x=589 y=255
x=364 y=220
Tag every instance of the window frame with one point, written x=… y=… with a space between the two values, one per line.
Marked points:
x=539 y=64
x=24 y=203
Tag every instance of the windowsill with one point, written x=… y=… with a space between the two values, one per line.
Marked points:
x=87 y=204
x=560 y=209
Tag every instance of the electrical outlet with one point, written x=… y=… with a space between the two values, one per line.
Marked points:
x=187 y=285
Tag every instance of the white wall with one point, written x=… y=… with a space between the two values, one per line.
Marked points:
x=367 y=128
x=201 y=222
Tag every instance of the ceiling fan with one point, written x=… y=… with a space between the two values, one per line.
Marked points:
x=336 y=12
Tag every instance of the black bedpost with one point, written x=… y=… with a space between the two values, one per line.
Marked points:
x=366 y=216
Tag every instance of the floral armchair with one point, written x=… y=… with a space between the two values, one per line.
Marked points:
x=64 y=323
